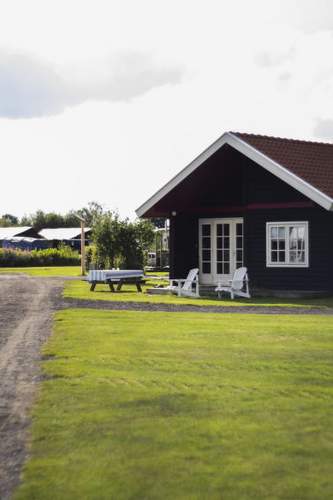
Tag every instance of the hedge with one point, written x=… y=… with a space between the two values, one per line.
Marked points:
x=64 y=256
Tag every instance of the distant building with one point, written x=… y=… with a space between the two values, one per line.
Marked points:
x=24 y=237
x=70 y=236
x=26 y=243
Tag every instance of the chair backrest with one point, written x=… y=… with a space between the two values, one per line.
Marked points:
x=238 y=278
x=193 y=273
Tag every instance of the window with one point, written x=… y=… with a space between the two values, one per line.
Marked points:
x=287 y=244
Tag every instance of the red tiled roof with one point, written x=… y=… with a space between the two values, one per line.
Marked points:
x=311 y=161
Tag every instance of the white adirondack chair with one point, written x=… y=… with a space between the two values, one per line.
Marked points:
x=184 y=287
x=239 y=285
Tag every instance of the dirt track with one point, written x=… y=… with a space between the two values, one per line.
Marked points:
x=26 y=306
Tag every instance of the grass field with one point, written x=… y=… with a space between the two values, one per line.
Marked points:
x=44 y=271
x=139 y=405
x=80 y=290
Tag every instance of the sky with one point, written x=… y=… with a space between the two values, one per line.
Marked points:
x=107 y=100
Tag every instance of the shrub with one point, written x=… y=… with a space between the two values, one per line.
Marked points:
x=63 y=256
x=121 y=243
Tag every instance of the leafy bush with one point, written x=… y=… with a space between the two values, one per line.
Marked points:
x=121 y=243
x=91 y=257
x=63 y=256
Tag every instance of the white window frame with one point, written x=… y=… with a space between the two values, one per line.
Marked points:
x=287 y=225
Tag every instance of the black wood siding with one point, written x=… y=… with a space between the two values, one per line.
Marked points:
x=184 y=249
x=252 y=185
x=318 y=276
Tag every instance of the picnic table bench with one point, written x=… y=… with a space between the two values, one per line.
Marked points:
x=116 y=277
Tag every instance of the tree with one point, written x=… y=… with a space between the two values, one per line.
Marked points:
x=121 y=243
x=8 y=220
x=106 y=238
x=91 y=213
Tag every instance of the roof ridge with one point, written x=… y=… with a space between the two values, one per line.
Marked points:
x=263 y=136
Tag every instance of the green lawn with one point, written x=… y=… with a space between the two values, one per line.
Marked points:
x=44 y=271
x=80 y=290
x=139 y=405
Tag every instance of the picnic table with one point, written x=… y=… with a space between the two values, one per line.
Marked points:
x=114 y=277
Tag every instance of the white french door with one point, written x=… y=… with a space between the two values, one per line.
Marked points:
x=221 y=249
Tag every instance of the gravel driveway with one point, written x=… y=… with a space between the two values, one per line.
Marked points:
x=26 y=308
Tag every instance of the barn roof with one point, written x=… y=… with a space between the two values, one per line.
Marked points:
x=306 y=166
x=11 y=232
x=62 y=233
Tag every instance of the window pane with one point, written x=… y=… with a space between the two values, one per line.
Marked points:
x=219 y=268
x=219 y=255
x=206 y=230
x=274 y=233
x=226 y=229
x=206 y=242
x=226 y=255
x=219 y=229
x=274 y=244
x=226 y=268
x=282 y=256
x=301 y=232
x=274 y=256
x=239 y=242
x=292 y=244
x=297 y=257
x=301 y=257
x=205 y=254
x=292 y=256
x=301 y=244
x=226 y=242
x=206 y=268
x=239 y=255
x=293 y=233
x=281 y=233
x=282 y=245
x=239 y=229
x=218 y=242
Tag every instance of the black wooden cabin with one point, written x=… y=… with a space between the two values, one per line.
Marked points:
x=257 y=201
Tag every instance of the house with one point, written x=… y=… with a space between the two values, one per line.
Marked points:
x=263 y=202
x=70 y=236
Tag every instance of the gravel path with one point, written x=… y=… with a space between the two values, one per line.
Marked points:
x=26 y=308
x=144 y=306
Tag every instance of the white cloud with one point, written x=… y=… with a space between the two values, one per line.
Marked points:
x=324 y=129
x=311 y=15
x=30 y=87
x=268 y=59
